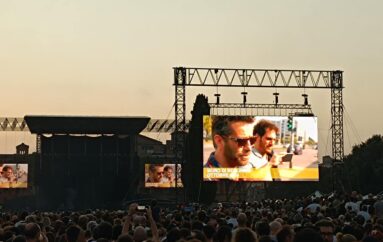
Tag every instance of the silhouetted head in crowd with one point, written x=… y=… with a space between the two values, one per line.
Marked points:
x=139 y=234
x=286 y=234
x=117 y=229
x=242 y=220
x=265 y=238
x=275 y=227
x=208 y=231
x=198 y=235
x=308 y=235
x=7 y=234
x=125 y=238
x=346 y=238
x=326 y=229
x=244 y=235
x=104 y=230
x=197 y=225
x=223 y=234
x=75 y=234
x=262 y=228
x=173 y=235
x=82 y=221
x=19 y=238
x=185 y=233
x=32 y=232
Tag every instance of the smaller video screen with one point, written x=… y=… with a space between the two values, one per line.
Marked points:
x=163 y=175
x=13 y=175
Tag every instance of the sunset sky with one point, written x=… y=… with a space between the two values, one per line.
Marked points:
x=115 y=58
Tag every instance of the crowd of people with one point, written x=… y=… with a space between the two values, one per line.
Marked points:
x=332 y=218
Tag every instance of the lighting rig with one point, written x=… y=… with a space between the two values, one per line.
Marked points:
x=259 y=78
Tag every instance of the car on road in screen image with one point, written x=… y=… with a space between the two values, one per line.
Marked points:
x=297 y=149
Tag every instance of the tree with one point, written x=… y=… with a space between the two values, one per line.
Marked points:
x=365 y=165
x=197 y=190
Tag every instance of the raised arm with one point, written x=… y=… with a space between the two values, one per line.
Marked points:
x=153 y=225
x=128 y=218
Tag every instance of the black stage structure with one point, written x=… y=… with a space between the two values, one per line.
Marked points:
x=85 y=162
x=259 y=78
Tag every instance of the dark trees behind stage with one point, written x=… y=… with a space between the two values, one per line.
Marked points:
x=364 y=166
x=196 y=189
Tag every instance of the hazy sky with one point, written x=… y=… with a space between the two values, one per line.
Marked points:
x=115 y=57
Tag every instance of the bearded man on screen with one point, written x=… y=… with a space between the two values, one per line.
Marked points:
x=232 y=139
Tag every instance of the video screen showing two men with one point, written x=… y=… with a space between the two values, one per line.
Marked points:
x=13 y=175
x=260 y=148
x=162 y=175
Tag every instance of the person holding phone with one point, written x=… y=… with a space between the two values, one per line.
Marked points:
x=133 y=209
x=33 y=233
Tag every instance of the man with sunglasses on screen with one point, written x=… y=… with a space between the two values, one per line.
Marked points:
x=232 y=139
x=265 y=133
x=156 y=172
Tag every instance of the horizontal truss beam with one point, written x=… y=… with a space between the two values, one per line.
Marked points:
x=13 y=124
x=260 y=109
x=168 y=125
x=257 y=78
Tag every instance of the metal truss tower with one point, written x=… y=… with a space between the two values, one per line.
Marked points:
x=337 y=116
x=180 y=119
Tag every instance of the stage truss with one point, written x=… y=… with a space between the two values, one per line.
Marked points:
x=259 y=78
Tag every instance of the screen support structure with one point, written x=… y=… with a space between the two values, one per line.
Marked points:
x=180 y=121
x=337 y=127
x=259 y=78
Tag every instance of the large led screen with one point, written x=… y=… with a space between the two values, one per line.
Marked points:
x=13 y=175
x=260 y=148
x=162 y=175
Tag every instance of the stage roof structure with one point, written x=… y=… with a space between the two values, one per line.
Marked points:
x=123 y=125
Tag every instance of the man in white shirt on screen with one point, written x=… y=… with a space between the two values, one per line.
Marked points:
x=265 y=133
x=168 y=176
